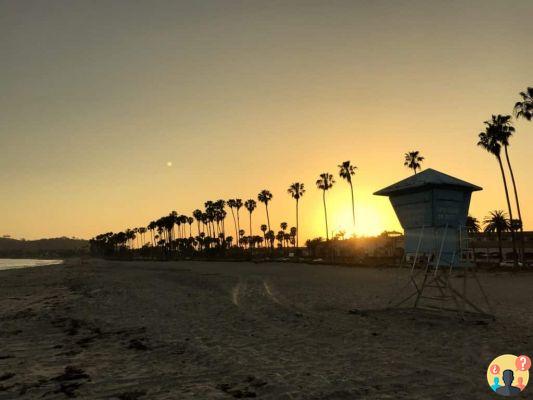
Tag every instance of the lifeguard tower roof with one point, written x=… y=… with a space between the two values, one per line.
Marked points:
x=424 y=180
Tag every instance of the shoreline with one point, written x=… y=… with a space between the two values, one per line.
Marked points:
x=22 y=263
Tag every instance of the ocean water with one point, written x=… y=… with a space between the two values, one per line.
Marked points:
x=11 y=263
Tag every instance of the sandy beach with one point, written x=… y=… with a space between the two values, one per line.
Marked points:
x=199 y=330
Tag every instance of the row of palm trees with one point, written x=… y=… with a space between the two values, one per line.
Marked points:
x=170 y=231
x=496 y=136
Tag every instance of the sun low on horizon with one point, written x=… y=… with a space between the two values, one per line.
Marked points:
x=115 y=114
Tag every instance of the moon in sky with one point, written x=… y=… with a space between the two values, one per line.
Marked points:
x=169 y=163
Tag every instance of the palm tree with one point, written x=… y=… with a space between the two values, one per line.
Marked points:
x=296 y=190
x=265 y=196
x=524 y=108
x=241 y=235
x=237 y=204
x=280 y=236
x=264 y=229
x=294 y=233
x=413 y=160
x=497 y=222
x=283 y=227
x=504 y=131
x=190 y=220
x=142 y=231
x=231 y=204
x=250 y=205
x=197 y=214
x=472 y=224
x=490 y=141
x=325 y=182
x=220 y=216
x=130 y=236
x=151 y=227
x=346 y=171
x=270 y=236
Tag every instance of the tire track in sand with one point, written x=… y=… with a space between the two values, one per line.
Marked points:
x=237 y=291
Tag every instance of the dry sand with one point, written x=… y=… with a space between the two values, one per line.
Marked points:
x=198 y=330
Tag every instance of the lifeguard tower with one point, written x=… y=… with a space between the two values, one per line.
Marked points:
x=432 y=208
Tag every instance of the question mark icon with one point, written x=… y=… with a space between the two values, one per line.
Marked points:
x=495 y=369
x=523 y=363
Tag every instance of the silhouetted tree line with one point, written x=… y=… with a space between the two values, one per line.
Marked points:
x=174 y=235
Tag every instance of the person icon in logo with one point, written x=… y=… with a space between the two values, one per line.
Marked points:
x=520 y=384
x=508 y=390
x=496 y=383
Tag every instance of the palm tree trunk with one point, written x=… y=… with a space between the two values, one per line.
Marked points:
x=325 y=214
x=353 y=205
x=268 y=218
x=251 y=239
x=297 y=227
x=235 y=223
x=500 y=244
x=513 y=238
x=238 y=228
x=522 y=244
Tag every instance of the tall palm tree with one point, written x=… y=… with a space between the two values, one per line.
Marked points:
x=250 y=205
x=413 y=160
x=238 y=205
x=265 y=196
x=524 y=108
x=490 y=141
x=497 y=222
x=231 y=204
x=504 y=131
x=235 y=204
x=325 y=182
x=346 y=171
x=296 y=190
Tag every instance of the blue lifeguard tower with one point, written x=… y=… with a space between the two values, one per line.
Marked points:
x=432 y=208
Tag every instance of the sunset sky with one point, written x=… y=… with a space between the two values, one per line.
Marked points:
x=98 y=97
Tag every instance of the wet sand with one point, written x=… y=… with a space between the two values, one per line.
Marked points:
x=199 y=330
